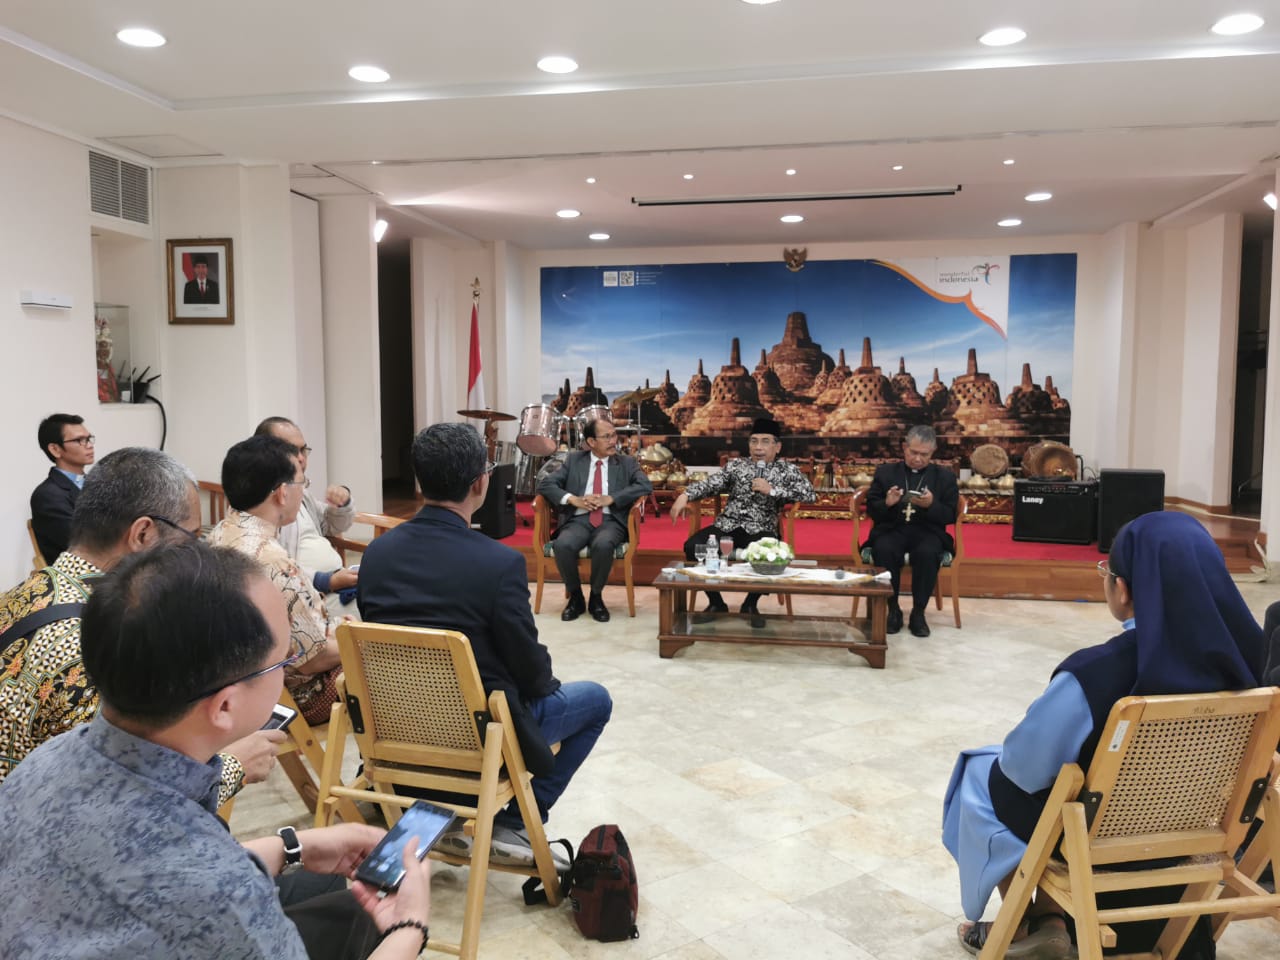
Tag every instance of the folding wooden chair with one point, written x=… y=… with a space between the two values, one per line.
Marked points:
x=380 y=523
x=545 y=559
x=1173 y=777
x=950 y=561
x=414 y=701
x=38 y=561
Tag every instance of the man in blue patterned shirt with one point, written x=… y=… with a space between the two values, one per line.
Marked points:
x=124 y=855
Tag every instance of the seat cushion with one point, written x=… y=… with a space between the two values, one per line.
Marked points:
x=619 y=551
x=947 y=557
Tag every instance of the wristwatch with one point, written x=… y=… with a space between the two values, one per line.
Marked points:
x=292 y=849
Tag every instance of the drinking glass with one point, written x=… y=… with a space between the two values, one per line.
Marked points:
x=726 y=548
x=700 y=553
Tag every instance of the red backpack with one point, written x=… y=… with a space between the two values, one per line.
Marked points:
x=602 y=887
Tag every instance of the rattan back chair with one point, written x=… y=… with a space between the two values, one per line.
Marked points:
x=413 y=700
x=1170 y=795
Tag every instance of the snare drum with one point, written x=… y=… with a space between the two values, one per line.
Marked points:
x=590 y=415
x=539 y=429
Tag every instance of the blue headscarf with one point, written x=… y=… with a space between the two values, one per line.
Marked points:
x=1194 y=633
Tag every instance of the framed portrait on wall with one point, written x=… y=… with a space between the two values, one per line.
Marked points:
x=201 y=281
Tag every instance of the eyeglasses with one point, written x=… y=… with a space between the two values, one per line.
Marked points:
x=193 y=534
x=303 y=483
x=286 y=662
x=85 y=441
x=305 y=450
x=1104 y=569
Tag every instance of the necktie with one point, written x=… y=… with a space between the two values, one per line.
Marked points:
x=202 y=288
x=597 y=487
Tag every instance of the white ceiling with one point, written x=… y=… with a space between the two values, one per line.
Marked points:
x=1124 y=109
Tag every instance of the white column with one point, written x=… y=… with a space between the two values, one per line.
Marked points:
x=1271 y=432
x=349 y=288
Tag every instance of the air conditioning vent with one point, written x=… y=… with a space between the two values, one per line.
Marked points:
x=119 y=189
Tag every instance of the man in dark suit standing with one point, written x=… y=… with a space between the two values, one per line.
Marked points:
x=68 y=443
x=435 y=571
x=201 y=289
x=911 y=504
x=594 y=490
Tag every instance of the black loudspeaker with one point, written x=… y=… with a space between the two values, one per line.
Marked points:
x=496 y=517
x=1125 y=494
x=1055 y=511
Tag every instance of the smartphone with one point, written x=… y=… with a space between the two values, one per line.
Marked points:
x=281 y=717
x=384 y=867
x=913 y=494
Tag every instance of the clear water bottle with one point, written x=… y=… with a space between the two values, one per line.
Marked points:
x=713 y=555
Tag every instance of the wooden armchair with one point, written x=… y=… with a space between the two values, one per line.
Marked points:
x=38 y=561
x=545 y=560
x=709 y=508
x=413 y=699
x=380 y=522
x=950 y=561
x=213 y=496
x=1174 y=777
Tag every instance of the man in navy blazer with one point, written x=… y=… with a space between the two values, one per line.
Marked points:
x=435 y=571
x=594 y=490
x=67 y=442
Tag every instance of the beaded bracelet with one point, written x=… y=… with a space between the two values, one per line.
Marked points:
x=404 y=925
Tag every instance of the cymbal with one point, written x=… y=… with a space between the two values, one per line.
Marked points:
x=639 y=395
x=485 y=414
x=631 y=428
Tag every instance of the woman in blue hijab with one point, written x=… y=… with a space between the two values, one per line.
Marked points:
x=1186 y=630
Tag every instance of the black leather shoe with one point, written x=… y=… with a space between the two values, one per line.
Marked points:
x=573 y=609
x=916 y=624
x=597 y=609
x=894 y=623
x=711 y=613
x=748 y=609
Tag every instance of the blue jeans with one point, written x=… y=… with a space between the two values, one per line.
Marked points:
x=574 y=716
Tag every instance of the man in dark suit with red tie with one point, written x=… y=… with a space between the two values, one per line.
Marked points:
x=201 y=289
x=594 y=490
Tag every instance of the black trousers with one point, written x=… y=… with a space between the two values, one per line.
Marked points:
x=332 y=925
x=741 y=539
x=889 y=550
x=603 y=540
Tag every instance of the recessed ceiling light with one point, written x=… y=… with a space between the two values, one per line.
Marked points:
x=897 y=166
x=598 y=236
x=140 y=37
x=568 y=214
x=1009 y=222
x=557 y=64
x=1237 y=23
x=1039 y=196
x=379 y=230
x=791 y=173
x=688 y=176
x=1010 y=162
x=792 y=218
x=368 y=74
x=1003 y=36
x=375 y=163
x=1270 y=200
x=759 y=3
x=591 y=179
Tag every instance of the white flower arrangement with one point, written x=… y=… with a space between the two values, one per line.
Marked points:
x=769 y=550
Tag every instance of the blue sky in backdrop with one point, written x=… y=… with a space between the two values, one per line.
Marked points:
x=675 y=314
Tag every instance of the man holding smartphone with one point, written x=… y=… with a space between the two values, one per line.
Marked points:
x=186 y=644
x=911 y=503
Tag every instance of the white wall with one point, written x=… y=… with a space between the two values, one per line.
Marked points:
x=308 y=311
x=1271 y=434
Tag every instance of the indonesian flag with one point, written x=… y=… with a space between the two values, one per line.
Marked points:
x=475 y=381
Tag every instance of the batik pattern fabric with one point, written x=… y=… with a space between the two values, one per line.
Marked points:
x=756 y=513
x=309 y=625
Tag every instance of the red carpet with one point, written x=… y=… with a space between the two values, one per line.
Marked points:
x=826 y=537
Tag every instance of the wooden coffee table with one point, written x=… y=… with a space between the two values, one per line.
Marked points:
x=865 y=637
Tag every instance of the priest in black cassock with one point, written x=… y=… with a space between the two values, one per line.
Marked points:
x=911 y=504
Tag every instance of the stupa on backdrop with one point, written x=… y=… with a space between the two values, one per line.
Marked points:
x=735 y=401
x=975 y=409
x=562 y=396
x=904 y=388
x=667 y=393
x=936 y=397
x=770 y=388
x=698 y=393
x=587 y=395
x=797 y=359
x=867 y=405
x=833 y=393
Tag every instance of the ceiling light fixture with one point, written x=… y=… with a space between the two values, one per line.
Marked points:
x=791 y=173
x=1009 y=222
x=368 y=74
x=897 y=166
x=557 y=64
x=140 y=37
x=591 y=179
x=1270 y=200
x=1003 y=36
x=688 y=176
x=1236 y=24
x=597 y=236
x=759 y=3
x=1010 y=162
x=792 y=218
x=567 y=214
x=1038 y=197
x=379 y=230
x=793 y=198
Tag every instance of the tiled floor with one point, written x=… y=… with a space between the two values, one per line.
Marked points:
x=781 y=802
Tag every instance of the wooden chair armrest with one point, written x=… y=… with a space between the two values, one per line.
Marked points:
x=541 y=523
x=855 y=511
x=633 y=523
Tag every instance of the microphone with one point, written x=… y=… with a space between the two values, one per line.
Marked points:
x=760 y=465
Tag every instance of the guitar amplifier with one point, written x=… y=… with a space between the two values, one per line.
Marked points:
x=1055 y=511
x=496 y=517
x=1126 y=494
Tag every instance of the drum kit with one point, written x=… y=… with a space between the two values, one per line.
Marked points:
x=542 y=429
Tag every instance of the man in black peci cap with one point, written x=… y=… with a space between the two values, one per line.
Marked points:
x=758 y=487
